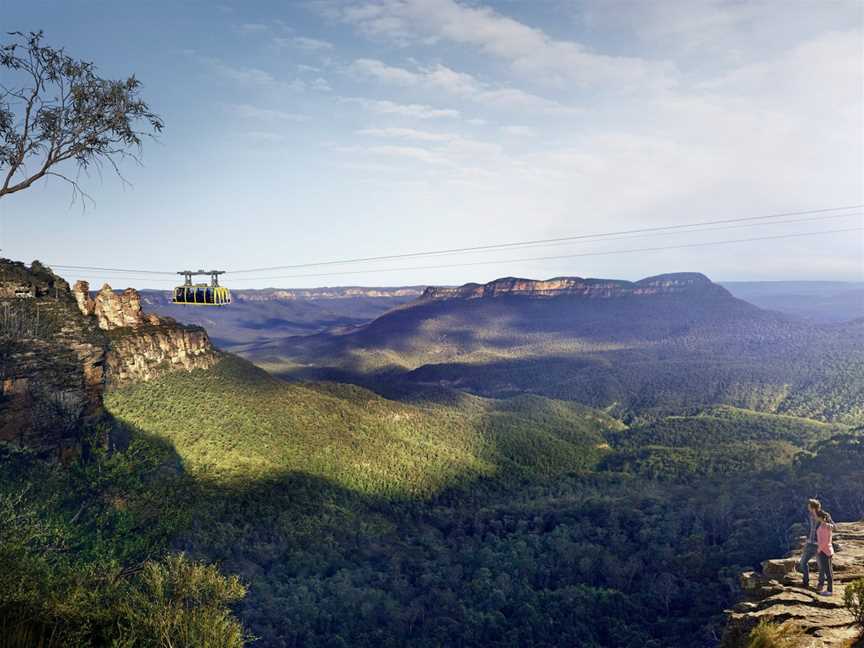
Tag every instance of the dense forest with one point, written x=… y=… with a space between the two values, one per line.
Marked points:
x=339 y=518
x=641 y=356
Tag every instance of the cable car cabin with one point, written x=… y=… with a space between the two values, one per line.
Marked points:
x=201 y=295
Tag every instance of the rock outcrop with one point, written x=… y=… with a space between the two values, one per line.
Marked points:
x=52 y=362
x=680 y=283
x=775 y=594
x=60 y=349
x=143 y=346
x=149 y=351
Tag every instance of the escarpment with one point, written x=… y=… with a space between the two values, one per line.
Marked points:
x=680 y=283
x=346 y=292
x=61 y=348
x=775 y=595
x=51 y=361
x=142 y=346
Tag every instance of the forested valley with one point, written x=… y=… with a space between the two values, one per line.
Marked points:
x=337 y=517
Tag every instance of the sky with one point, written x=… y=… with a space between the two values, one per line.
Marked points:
x=305 y=131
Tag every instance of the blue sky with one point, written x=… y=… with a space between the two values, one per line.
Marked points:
x=304 y=131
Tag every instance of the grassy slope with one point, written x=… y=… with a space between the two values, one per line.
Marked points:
x=238 y=421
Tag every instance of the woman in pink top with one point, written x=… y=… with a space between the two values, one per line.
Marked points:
x=826 y=550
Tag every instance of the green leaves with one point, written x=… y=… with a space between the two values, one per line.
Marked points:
x=80 y=558
x=57 y=109
x=853 y=598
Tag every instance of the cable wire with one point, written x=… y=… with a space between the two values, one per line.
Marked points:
x=563 y=256
x=685 y=227
x=550 y=240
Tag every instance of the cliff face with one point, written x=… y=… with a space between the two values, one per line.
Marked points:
x=576 y=286
x=348 y=292
x=142 y=346
x=60 y=349
x=775 y=595
x=51 y=361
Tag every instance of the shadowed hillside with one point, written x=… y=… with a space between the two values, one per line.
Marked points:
x=664 y=343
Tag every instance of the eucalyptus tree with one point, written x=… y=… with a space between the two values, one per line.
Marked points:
x=58 y=117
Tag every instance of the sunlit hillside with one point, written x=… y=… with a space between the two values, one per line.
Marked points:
x=237 y=421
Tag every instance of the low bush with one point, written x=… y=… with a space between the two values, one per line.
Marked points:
x=854 y=600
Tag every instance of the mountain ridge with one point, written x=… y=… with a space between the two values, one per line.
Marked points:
x=670 y=283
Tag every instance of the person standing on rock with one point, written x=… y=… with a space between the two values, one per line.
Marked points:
x=811 y=547
x=826 y=552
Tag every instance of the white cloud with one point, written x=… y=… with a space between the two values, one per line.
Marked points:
x=708 y=34
x=303 y=43
x=452 y=150
x=248 y=111
x=520 y=131
x=320 y=84
x=415 y=111
x=411 y=152
x=311 y=44
x=528 y=49
x=406 y=133
x=439 y=77
x=381 y=71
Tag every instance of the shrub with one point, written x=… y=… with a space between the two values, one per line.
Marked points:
x=854 y=600
x=178 y=602
x=770 y=635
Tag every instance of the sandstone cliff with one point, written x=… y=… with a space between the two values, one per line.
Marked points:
x=60 y=349
x=51 y=361
x=577 y=286
x=775 y=594
x=346 y=292
x=142 y=346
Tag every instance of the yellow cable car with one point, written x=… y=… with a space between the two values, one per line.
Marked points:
x=201 y=294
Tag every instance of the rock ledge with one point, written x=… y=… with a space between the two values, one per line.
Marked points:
x=775 y=594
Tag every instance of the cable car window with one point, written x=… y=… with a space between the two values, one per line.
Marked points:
x=201 y=294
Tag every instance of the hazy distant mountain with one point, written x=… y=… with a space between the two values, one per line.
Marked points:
x=664 y=342
x=818 y=301
x=268 y=314
x=258 y=317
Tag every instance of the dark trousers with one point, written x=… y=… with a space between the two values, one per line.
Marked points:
x=826 y=571
x=810 y=551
